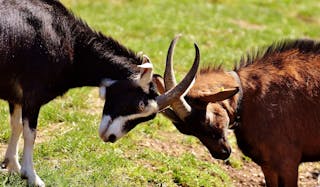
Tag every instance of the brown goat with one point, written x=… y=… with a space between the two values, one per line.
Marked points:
x=271 y=100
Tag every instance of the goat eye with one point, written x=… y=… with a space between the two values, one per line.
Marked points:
x=141 y=105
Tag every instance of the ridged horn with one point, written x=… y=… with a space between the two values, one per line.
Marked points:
x=169 y=78
x=173 y=93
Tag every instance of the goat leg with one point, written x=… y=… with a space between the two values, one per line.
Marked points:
x=29 y=117
x=11 y=158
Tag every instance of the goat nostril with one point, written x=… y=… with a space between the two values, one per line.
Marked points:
x=112 y=138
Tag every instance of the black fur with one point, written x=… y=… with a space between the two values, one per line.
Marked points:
x=45 y=50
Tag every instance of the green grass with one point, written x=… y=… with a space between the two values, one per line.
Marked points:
x=68 y=151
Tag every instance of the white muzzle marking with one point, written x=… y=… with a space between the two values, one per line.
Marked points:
x=111 y=127
x=104 y=126
x=116 y=126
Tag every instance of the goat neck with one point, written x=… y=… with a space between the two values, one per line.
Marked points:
x=97 y=55
x=235 y=116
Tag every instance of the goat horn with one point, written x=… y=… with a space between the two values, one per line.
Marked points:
x=169 y=78
x=180 y=106
x=174 y=93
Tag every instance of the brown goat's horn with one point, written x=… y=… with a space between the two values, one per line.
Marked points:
x=169 y=78
x=174 y=92
x=180 y=106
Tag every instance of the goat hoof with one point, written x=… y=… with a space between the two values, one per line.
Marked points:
x=10 y=165
x=5 y=163
x=36 y=182
x=32 y=178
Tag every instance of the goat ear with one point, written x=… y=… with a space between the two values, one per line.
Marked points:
x=224 y=93
x=159 y=83
x=146 y=71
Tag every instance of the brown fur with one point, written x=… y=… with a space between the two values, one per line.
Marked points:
x=279 y=112
x=280 y=126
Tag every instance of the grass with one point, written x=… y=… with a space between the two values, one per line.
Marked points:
x=68 y=151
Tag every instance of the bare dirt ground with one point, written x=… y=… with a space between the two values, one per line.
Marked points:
x=251 y=175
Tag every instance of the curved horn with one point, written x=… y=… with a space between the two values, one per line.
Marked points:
x=169 y=78
x=172 y=95
x=180 y=106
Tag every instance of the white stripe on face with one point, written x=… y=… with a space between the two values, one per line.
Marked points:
x=104 y=126
x=115 y=127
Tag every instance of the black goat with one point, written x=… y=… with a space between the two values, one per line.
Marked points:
x=45 y=50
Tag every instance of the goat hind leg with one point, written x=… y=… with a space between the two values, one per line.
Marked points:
x=11 y=161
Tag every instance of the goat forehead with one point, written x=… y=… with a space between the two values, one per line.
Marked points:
x=125 y=89
x=123 y=104
x=128 y=91
x=128 y=98
x=124 y=98
x=216 y=108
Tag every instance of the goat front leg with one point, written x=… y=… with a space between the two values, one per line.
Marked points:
x=11 y=161
x=270 y=175
x=30 y=118
x=282 y=170
x=288 y=174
